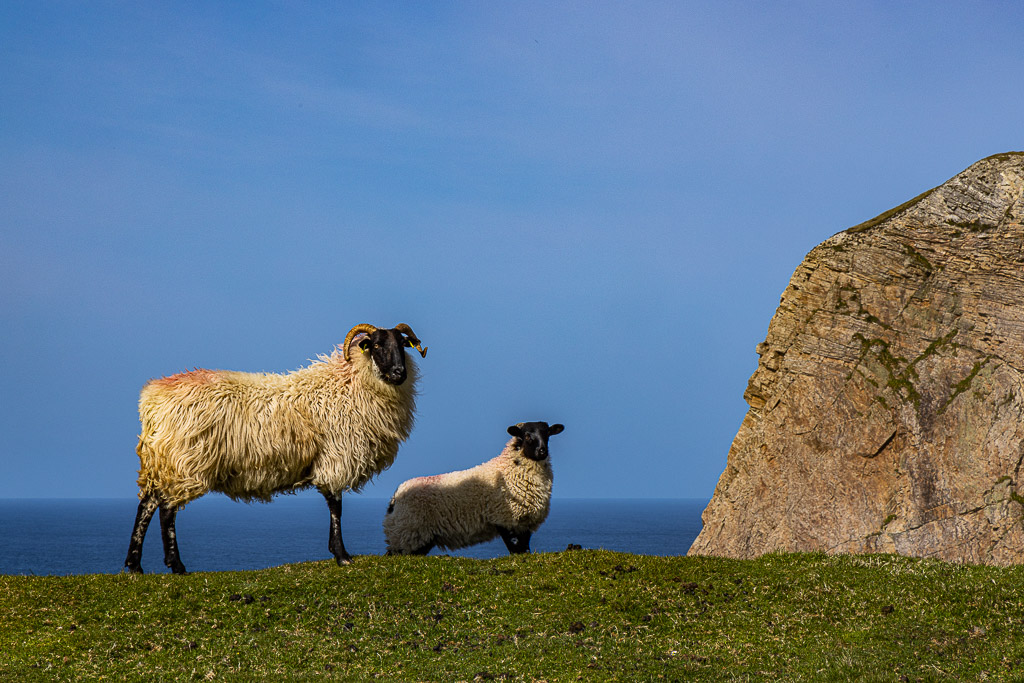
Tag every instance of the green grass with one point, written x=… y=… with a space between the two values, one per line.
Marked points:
x=579 y=615
x=882 y=217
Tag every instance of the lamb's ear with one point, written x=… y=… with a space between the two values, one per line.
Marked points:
x=514 y=430
x=555 y=429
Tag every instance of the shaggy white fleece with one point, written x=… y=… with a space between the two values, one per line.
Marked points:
x=332 y=425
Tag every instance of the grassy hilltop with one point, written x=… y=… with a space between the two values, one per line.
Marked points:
x=578 y=615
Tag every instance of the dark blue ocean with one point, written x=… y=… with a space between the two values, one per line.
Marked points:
x=90 y=536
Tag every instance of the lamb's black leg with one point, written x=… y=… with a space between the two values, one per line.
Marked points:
x=147 y=506
x=516 y=542
x=423 y=550
x=335 y=544
x=171 y=559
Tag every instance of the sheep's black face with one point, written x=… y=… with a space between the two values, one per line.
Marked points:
x=387 y=349
x=532 y=438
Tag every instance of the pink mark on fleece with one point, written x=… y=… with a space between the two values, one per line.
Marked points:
x=197 y=377
x=428 y=481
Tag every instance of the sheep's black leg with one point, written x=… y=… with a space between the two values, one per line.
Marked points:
x=147 y=506
x=335 y=544
x=516 y=542
x=171 y=559
x=423 y=550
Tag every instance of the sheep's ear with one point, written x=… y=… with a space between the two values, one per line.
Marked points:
x=413 y=343
x=514 y=430
x=555 y=429
x=364 y=344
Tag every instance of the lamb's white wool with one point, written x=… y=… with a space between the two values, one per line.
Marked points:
x=508 y=495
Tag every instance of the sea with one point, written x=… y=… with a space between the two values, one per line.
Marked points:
x=90 y=536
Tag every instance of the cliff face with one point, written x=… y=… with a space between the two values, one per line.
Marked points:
x=886 y=409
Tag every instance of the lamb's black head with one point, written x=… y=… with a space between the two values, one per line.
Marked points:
x=386 y=349
x=532 y=438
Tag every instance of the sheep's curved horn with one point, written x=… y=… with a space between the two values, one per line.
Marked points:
x=362 y=327
x=407 y=331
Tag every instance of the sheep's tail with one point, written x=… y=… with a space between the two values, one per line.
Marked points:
x=146 y=481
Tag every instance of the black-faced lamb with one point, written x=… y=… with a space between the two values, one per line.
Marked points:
x=507 y=496
x=333 y=425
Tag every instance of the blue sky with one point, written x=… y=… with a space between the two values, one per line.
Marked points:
x=587 y=211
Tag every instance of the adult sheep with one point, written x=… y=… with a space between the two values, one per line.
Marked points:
x=332 y=425
x=508 y=496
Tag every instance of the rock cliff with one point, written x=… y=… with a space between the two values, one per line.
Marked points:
x=886 y=408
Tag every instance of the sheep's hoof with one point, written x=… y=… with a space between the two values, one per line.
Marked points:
x=133 y=570
x=343 y=561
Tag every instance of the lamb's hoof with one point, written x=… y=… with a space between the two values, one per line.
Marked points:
x=133 y=569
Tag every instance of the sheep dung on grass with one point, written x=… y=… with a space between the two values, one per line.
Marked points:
x=508 y=496
x=332 y=425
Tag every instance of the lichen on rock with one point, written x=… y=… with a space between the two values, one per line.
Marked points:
x=886 y=409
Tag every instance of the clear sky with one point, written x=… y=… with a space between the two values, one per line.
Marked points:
x=587 y=210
